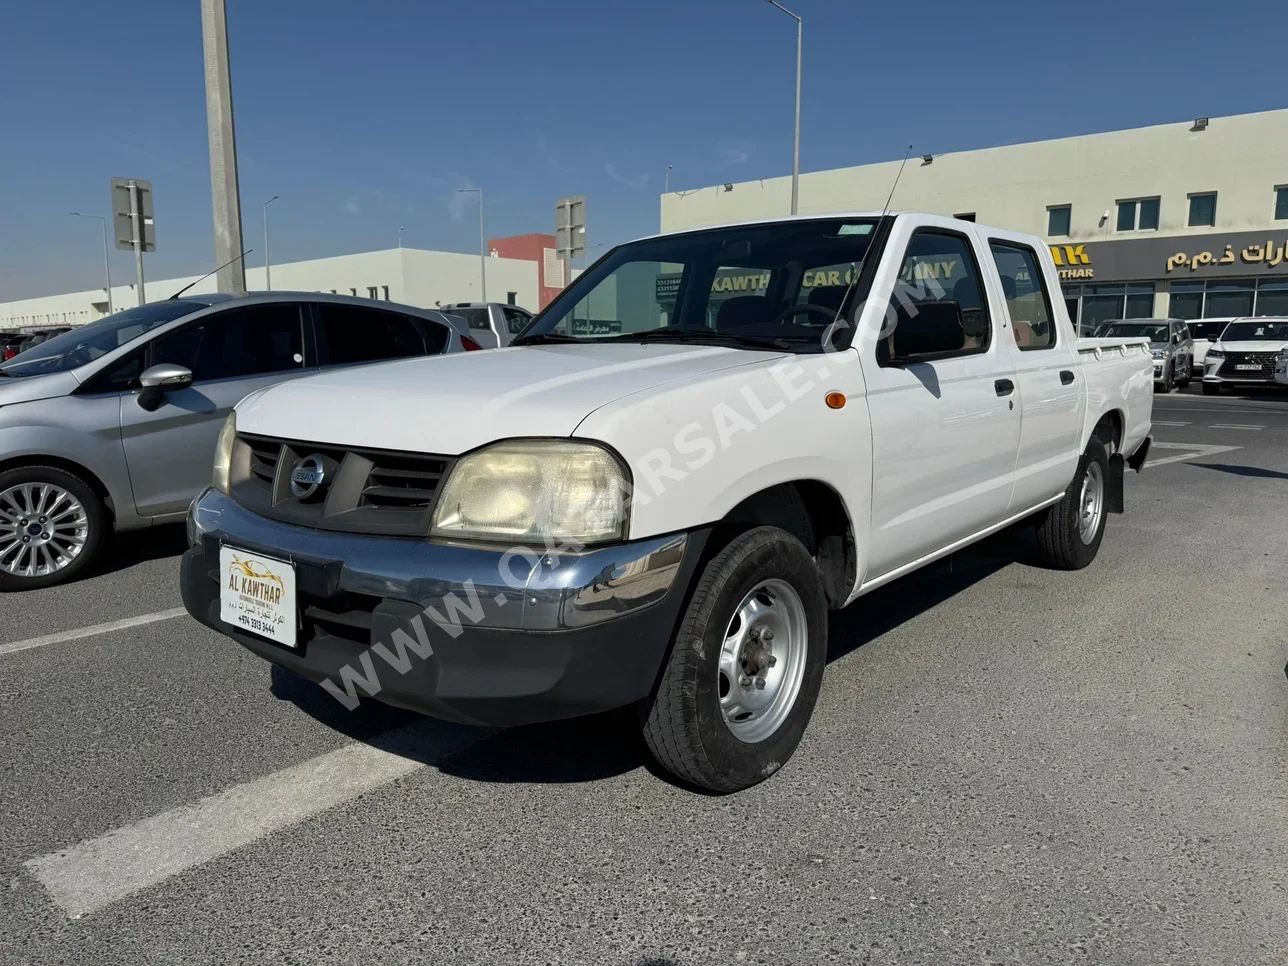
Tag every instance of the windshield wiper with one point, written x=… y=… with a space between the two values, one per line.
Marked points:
x=681 y=334
x=548 y=337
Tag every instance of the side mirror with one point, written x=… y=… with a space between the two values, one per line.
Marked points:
x=934 y=329
x=158 y=380
x=1215 y=337
x=1176 y=338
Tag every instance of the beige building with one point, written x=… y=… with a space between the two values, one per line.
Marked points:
x=1188 y=220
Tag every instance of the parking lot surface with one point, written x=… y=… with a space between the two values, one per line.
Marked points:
x=1007 y=764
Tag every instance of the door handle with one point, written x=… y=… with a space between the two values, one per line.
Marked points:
x=1004 y=387
x=1066 y=377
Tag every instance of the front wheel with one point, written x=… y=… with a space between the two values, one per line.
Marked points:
x=51 y=525
x=745 y=669
x=1070 y=532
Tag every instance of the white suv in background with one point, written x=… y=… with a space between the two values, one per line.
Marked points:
x=1246 y=354
x=1205 y=332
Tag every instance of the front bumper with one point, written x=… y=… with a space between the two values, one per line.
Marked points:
x=528 y=637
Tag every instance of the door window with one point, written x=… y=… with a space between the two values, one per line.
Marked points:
x=516 y=320
x=240 y=342
x=1026 y=296
x=940 y=267
x=354 y=334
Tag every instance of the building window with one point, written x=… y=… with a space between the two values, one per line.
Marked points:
x=1281 y=203
x=1058 y=220
x=511 y=298
x=965 y=216
x=1108 y=303
x=372 y=291
x=1186 y=301
x=1203 y=210
x=1229 y=298
x=1140 y=214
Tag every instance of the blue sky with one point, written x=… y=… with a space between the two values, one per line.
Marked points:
x=367 y=116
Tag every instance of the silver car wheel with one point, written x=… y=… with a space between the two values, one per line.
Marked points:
x=1091 y=503
x=43 y=528
x=762 y=661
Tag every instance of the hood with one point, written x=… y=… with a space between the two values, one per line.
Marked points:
x=454 y=403
x=19 y=389
x=1263 y=345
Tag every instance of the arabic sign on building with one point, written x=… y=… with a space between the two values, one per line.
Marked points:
x=1212 y=255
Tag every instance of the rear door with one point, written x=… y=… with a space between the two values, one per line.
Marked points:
x=1049 y=393
x=231 y=354
x=944 y=432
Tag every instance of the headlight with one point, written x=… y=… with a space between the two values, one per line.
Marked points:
x=535 y=490
x=1214 y=354
x=224 y=454
x=1159 y=353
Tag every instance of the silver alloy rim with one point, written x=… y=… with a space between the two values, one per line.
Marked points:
x=762 y=661
x=43 y=528
x=1091 y=503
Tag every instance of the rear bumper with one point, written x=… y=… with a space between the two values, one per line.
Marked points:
x=527 y=639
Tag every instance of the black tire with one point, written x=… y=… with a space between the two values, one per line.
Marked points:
x=1059 y=534
x=97 y=523
x=1211 y=389
x=1169 y=380
x=1184 y=381
x=683 y=723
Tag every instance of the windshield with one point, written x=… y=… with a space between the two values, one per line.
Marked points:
x=1259 y=330
x=85 y=343
x=1202 y=328
x=1135 y=330
x=784 y=282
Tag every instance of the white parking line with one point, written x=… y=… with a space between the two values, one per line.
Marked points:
x=94 y=873
x=161 y=615
x=1160 y=422
x=1236 y=426
x=1191 y=450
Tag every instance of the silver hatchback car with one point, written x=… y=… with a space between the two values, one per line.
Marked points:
x=112 y=426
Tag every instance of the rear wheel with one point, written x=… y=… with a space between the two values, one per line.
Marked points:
x=1184 y=380
x=1070 y=532
x=1211 y=389
x=51 y=526
x=745 y=669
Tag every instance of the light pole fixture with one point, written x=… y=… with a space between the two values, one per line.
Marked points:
x=268 y=276
x=401 y=229
x=796 y=142
x=668 y=179
x=107 y=266
x=482 y=242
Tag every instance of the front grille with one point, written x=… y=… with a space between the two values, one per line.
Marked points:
x=1264 y=361
x=362 y=490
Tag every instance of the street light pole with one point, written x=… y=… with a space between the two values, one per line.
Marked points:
x=796 y=143
x=482 y=242
x=400 y=231
x=107 y=266
x=668 y=180
x=225 y=194
x=268 y=270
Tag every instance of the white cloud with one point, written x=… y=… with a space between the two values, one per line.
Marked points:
x=352 y=206
x=637 y=181
x=735 y=153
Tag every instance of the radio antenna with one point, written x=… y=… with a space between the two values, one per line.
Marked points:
x=211 y=272
x=898 y=175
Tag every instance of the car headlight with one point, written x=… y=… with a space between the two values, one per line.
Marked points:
x=1159 y=353
x=536 y=490
x=222 y=477
x=1214 y=354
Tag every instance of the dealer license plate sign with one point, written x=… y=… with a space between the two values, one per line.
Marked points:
x=1247 y=366
x=257 y=594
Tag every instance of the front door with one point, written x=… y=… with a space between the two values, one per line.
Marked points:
x=1051 y=396
x=170 y=451
x=944 y=432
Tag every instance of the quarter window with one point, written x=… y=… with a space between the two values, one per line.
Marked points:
x=1203 y=210
x=1027 y=301
x=1058 y=220
x=516 y=320
x=356 y=334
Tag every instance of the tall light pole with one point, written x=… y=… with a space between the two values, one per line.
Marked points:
x=667 y=190
x=107 y=266
x=482 y=242
x=225 y=195
x=268 y=269
x=796 y=144
x=400 y=231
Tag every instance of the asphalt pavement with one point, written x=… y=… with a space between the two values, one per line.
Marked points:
x=1007 y=765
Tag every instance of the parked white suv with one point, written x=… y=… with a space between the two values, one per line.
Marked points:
x=705 y=443
x=1245 y=355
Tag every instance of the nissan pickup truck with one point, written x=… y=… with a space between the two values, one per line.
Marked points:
x=657 y=493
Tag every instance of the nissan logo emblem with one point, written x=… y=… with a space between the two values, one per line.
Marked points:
x=307 y=477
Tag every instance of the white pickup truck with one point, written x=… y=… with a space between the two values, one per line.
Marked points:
x=655 y=496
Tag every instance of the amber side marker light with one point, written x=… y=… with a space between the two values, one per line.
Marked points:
x=835 y=400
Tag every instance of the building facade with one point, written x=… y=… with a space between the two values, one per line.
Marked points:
x=1187 y=220
x=410 y=276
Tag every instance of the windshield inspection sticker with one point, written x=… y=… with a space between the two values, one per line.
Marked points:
x=854 y=229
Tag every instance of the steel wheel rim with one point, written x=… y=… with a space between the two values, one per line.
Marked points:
x=43 y=528
x=753 y=712
x=1091 y=503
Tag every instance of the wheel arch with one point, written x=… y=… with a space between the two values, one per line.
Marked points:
x=1109 y=430
x=812 y=511
x=79 y=470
